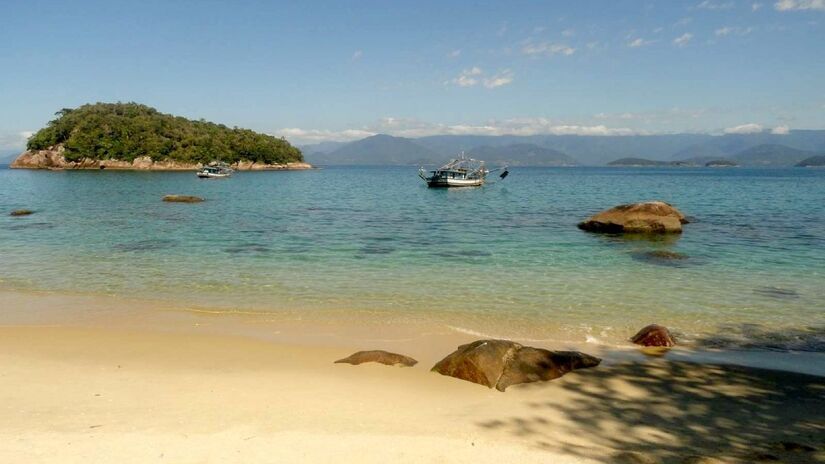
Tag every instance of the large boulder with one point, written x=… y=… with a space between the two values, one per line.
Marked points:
x=647 y=217
x=182 y=199
x=501 y=363
x=379 y=356
x=653 y=335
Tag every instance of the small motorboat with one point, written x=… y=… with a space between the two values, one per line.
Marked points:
x=460 y=172
x=215 y=170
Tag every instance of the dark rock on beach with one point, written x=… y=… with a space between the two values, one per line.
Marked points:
x=21 y=212
x=653 y=217
x=182 y=199
x=379 y=356
x=501 y=363
x=653 y=335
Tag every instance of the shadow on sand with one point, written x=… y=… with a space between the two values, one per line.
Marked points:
x=676 y=412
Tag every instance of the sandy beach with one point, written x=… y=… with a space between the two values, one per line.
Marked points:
x=112 y=394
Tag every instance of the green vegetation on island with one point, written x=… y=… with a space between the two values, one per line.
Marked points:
x=125 y=131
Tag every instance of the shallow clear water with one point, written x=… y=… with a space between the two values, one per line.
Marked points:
x=506 y=258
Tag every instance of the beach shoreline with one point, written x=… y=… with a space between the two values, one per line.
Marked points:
x=143 y=384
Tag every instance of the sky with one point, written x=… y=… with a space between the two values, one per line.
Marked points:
x=342 y=70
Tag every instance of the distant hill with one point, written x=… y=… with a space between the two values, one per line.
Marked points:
x=323 y=147
x=770 y=155
x=378 y=149
x=588 y=150
x=6 y=157
x=522 y=154
x=813 y=161
x=638 y=162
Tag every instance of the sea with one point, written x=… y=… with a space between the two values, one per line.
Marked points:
x=505 y=260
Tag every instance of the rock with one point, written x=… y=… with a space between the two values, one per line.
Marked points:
x=21 y=212
x=379 y=356
x=182 y=199
x=653 y=335
x=501 y=363
x=649 y=217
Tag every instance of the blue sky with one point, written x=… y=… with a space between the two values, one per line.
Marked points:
x=338 y=70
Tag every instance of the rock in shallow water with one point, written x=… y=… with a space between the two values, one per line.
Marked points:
x=652 y=217
x=501 y=363
x=182 y=199
x=653 y=335
x=379 y=356
x=21 y=212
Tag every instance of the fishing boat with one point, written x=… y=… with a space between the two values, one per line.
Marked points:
x=460 y=172
x=215 y=170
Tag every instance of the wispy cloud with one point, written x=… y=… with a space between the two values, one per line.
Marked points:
x=791 y=5
x=474 y=76
x=498 y=80
x=455 y=53
x=568 y=32
x=15 y=141
x=357 y=54
x=781 y=130
x=468 y=77
x=714 y=5
x=750 y=128
x=639 y=42
x=756 y=6
x=732 y=30
x=683 y=39
x=547 y=49
x=502 y=30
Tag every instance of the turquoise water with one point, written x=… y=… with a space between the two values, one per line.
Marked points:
x=505 y=259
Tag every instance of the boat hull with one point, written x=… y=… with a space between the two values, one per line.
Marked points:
x=206 y=175
x=447 y=182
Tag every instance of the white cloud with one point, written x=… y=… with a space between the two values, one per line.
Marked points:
x=712 y=5
x=468 y=77
x=401 y=127
x=756 y=6
x=455 y=53
x=683 y=39
x=304 y=136
x=357 y=55
x=503 y=78
x=750 y=128
x=728 y=30
x=791 y=5
x=639 y=42
x=781 y=130
x=547 y=49
x=15 y=141
x=683 y=22
x=568 y=32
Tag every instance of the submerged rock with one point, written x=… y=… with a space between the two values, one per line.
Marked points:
x=501 y=363
x=182 y=199
x=379 y=356
x=661 y=258
x=21 y=212
x=653 y=335
x=653 y=217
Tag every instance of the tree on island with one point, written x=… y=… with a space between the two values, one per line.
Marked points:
x=125 y=131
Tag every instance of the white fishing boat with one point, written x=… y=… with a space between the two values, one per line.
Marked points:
x=215 y=170
x=460 y=172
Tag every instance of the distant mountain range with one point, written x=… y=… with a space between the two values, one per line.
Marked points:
x=769 y=155
x=6 y=157
x=760 y=149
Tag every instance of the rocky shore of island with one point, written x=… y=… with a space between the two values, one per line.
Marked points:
x=54 y=158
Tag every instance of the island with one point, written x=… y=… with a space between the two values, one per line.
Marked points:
x=721 y=163
x=817 y=161
x=131 y=136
